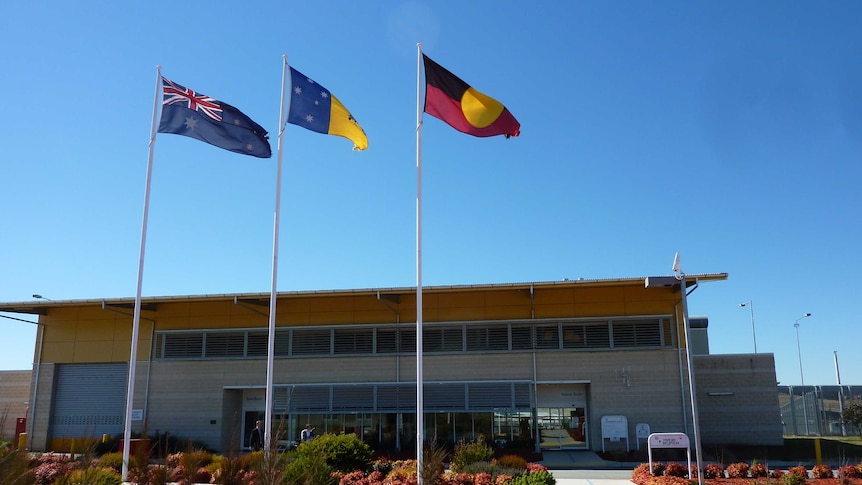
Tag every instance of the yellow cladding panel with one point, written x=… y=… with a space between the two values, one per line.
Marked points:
x=58 y=352
x=59 y=332
x=554 y=310
x=329 y=318
x=606 y=294
x=95 y=330
x=447 y=314
x=599 y=309
x=553 y=296
x=212 y=308
x=174 y=309
x=648 y=308
x=92 y=352
x=331 y=304
x=209 y=321
x=459 y=300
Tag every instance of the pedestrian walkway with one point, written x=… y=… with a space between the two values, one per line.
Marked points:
x=592 y=477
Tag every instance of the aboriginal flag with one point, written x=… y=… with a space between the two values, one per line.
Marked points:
x=464 y=108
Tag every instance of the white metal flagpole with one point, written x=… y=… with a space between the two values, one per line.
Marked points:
x=270 y=350
x=136 y=319
x=680 y=276
x=420 y=406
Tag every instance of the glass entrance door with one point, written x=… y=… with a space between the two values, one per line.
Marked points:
x=562 y=428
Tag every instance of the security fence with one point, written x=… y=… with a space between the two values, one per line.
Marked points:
x=816 y=410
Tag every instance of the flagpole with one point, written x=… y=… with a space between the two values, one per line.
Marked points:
x=420 y=406
x=270 y=350
x=136 y=319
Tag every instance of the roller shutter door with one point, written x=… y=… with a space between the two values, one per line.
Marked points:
x=89 y=400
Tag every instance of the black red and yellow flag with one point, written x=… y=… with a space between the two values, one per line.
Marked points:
x=464 y=108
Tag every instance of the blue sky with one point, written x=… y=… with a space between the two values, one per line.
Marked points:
x=729 y=132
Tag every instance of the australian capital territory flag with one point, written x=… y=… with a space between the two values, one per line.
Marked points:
x=189 y=113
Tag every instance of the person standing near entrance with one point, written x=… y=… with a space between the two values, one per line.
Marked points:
x=307 y=434
x=255 y=442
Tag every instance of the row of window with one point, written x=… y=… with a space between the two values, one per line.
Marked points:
x=401 y=339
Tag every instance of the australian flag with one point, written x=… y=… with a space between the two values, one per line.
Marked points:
x=187 y=112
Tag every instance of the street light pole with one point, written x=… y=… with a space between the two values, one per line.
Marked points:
x=750 y=306
x=799 y=348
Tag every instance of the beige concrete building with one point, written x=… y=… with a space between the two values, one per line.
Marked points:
x=14 y=398
x=586 y=364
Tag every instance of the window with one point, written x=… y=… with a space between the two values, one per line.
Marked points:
x=180 y=345
x=487 y=338
x=637 y=333
x=311 y=342
x=442 y=339
x=225 y=344
x=548 y=336
x=359 y=341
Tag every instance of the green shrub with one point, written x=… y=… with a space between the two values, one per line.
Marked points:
x=792 y=479
x=309 y=469
x=115 y=461
x=15 y=467
x=467 y=453
x=535 y=478
x=193 y=460
x=343 y=452
x=433 y=457
x=90 y=476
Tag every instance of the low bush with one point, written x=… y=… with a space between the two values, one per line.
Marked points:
x=467 y=453
x=792 y=479
x=512 y=461
x=713 y=470
x=665 y=480
x=674 y=469
x=799 y=471
x=342 y=452
x=90 y=476
x=641 y=474
x=758 y=470
x=115 y=461
x=822 y=470
x=737 y=470
x=308 y=469
x=849 y=471
x=536 y=478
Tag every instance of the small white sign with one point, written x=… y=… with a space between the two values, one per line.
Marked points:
x=668 y=440
x=642 y=430
x=137 y=414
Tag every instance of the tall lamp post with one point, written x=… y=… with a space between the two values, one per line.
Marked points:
x=750 y=306
x=798 y=348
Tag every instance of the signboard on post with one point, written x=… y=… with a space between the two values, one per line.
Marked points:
x=615 y=428
x=668 y=440
x=641 y=432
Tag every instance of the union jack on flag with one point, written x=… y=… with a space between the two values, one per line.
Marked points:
x=174 y=93
x=190 y=113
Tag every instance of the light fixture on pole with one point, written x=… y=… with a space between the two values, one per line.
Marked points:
x=40 y=297
x=750 y=306
x=799 y=348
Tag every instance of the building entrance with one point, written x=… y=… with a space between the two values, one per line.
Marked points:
x=561 y=416
x=561 y=428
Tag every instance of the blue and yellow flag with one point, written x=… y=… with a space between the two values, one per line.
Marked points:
x=312 y=106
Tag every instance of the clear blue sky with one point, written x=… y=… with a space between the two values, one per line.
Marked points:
x=730 y=132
